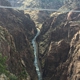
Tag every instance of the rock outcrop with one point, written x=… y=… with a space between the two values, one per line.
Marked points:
x=16 y=34
x=59 y=47
x=39 y=16
x=58 y=43
x=74 y=58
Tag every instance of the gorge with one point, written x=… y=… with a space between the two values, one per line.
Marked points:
x=50 y=52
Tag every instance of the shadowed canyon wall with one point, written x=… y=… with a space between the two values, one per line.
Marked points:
x=17 y=31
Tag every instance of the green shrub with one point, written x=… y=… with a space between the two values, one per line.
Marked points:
x=12 y=77
x=3 y=65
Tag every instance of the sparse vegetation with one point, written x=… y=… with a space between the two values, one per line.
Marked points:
x=3 y=69
x=13 y=77
x=3 y=65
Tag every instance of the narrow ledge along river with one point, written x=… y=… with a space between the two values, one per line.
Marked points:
x=36 y=61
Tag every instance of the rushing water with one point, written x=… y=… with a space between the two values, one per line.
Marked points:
x=36 y=61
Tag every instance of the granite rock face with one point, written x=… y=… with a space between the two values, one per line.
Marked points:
x=58 y=43
x=17 y=31
x=59 y=47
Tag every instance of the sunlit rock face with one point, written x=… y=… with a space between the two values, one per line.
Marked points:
x=59 y=45
x=38 y=16
x=3 y=77
x=24 y=3
x=74 y=65
x=36 y=3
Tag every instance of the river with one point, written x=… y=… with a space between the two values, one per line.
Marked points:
x=36 y=61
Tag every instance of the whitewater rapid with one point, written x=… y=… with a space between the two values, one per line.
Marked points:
x=36 y=61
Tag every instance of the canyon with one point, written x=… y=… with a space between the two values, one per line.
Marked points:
x=53 y=53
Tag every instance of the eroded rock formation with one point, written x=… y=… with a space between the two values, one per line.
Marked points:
x=59 y=47
x=16 y=34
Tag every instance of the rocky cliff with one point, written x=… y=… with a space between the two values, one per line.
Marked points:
x=59 y=47
x=37 y=3
x=16 y=33
x=58 y=43
x=38 y=16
